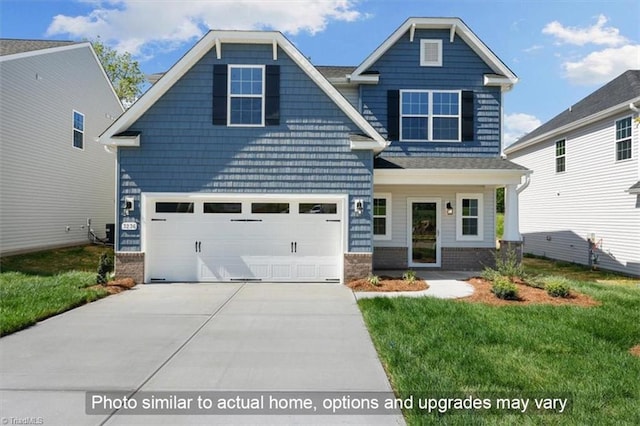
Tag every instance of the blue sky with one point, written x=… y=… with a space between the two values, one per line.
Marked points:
x=561 y=50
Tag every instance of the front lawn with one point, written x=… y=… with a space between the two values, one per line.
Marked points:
x=440 y=348
x=36 y=286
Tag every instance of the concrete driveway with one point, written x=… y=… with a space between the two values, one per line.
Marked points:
x=197 y=340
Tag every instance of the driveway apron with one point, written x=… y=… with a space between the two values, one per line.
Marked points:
x=194 y=339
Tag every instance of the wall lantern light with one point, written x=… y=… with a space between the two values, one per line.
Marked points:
x=449 y=208
x=358 y=206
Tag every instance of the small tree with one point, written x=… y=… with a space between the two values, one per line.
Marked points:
x=105 y=266
x=122 y=70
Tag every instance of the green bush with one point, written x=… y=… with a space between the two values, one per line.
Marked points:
x=556 y=286
x=409 y=276
x=509 y=265
x=105 y=266
x=503 y=288
x=374 y=280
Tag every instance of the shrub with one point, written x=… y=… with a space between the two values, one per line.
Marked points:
x=503 y=288
x=556 y=286
x=374 y=280
x=490 y=274
x=105 y=266
x=409 y=276
x=509 y=265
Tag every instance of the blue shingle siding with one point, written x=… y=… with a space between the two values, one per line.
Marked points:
x=309 y=152
x=462 y=69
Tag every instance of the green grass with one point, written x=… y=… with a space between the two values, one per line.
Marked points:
x=52 y=262
x=499 y=225
x=443 y=348
x=38 y=285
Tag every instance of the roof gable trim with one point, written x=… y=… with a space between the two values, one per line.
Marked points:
x=216 y=39
x=616 y=109
x=456 y=27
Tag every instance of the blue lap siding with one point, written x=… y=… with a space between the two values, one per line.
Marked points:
x=462 y=69
x=309 y=152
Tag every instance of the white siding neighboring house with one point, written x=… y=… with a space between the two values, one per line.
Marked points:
x=586 y=180
x=55 y=99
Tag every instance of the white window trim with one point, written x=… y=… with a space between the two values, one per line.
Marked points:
x=229 y=96
x=73 y=129
x=423 y=61
x=459 y=198
x=616 y=140
x=556 y=156
x=431 y=116
x=387 y=236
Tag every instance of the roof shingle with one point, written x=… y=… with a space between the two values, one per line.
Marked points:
x=12 y=46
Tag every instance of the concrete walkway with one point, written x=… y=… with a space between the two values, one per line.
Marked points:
x=442 y=285
x=196 y=338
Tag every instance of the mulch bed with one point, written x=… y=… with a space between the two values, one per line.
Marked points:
x=388 y=284
x=635 y=351
x=526 y=295
x=117 y=286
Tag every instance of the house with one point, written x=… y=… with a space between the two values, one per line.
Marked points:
x=583 y=202
x=56 y=181
x=246 y=162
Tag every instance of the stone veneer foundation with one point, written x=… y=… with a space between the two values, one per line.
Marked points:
x=357 y=265
x=130 y=265
x=452 y=258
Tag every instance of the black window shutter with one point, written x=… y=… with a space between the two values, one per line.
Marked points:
x=272 y=95
x=393 y=115
x=467 y=115
x=220 y=95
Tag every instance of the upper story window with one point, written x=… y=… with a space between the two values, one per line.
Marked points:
x=430 y=115
x=246 y=95
x=623 y=139
x=78 y=130
x=430 y=53
x=561 y=162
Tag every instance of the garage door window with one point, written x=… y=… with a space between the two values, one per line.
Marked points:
x=313 y=208
x=223 y=208
x=174 y=207
x=270 y=208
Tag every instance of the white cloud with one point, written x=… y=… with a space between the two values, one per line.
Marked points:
x=533 y=48
x=595 y=34
x=134 y=25
x=602 y=66
x=517 y=125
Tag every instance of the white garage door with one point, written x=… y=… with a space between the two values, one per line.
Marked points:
x=220 y=239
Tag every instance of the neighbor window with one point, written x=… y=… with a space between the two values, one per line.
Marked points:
x=561 y=162
x=430 y=53
x=429 y=115
x=78 y=130
x=623 y=139
x=246 y=95
x=469 y=216
x=382 y=216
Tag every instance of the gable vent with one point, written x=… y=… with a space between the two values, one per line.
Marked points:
x=431 y=53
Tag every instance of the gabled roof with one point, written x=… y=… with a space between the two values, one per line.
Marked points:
x=216 y=40
x=612 y=98
x=503 y=75
x=10 y=46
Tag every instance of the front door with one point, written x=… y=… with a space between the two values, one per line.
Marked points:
x=424 y=232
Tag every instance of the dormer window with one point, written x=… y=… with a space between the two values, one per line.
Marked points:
x=430 y=53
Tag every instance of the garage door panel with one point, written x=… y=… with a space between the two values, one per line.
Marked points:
x=206 y=245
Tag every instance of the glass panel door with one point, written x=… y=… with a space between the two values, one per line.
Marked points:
x=424 y=250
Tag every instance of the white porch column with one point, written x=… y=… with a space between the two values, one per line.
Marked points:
x=511 y=221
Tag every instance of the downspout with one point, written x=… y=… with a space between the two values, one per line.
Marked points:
x=527 y=181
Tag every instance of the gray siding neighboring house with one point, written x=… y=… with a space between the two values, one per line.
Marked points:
x=246 y=162
x=586 y=180
x=55 y=100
